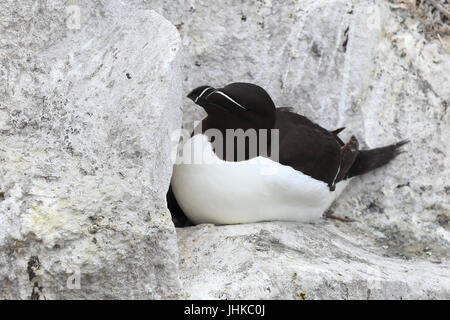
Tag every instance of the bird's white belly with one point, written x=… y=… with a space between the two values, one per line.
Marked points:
x=211 y=190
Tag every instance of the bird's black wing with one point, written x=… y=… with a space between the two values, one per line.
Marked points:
x=307 y=147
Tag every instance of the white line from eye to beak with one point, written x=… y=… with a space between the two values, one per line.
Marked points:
x=210 y=93
x=201 y=94
x=217 y=91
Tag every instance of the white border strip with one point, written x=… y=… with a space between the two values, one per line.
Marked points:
x=334 y=180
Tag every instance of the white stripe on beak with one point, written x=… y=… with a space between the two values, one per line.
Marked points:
x=201 y=94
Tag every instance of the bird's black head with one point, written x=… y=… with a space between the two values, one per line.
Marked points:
x=237 y=105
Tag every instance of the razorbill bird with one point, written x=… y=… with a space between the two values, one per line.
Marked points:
x=215 y=183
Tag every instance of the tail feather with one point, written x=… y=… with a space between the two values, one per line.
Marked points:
x=368 y=160
x=337 y=131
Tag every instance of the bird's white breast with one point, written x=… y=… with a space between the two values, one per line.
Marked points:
x=211 y=190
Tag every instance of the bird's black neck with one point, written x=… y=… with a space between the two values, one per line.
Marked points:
x=235 y=141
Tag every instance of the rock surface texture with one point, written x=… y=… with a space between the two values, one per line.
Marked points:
x=286 y=260
x=89 y=95
x=364 y=65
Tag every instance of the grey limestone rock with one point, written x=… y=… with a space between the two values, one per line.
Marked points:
x=89 y=95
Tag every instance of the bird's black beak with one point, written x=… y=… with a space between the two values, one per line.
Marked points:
x=218 y=103
x=191 y=95
x=200 y=92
